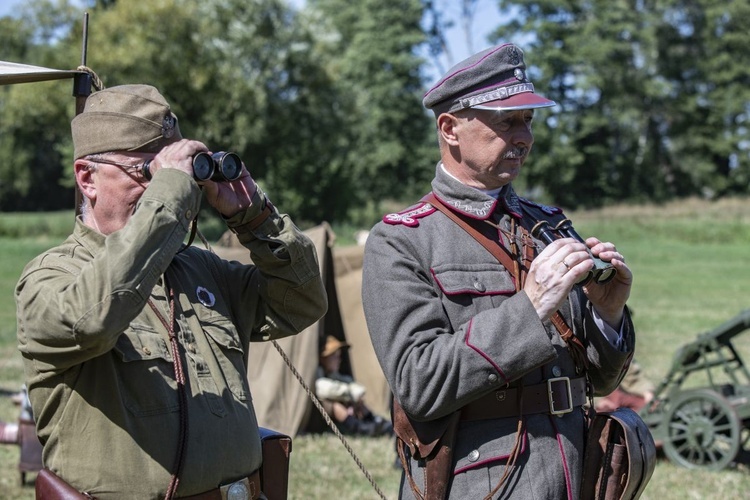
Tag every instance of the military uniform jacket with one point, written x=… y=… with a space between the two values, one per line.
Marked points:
x=448 y=327
x=98 y=360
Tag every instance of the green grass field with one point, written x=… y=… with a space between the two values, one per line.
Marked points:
x=690 y=261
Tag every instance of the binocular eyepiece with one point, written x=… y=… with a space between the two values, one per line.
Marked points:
x=602 y=272
x=221 y=166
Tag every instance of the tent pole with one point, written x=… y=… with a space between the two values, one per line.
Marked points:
x=81 y=90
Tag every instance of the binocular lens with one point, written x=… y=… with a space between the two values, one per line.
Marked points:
x=217 y=167
x=606 y=275
x=230 y=166
x=203 y=166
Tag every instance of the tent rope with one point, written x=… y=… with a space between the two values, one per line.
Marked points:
x=313 y=398
x=328 y=420
x=96 y=82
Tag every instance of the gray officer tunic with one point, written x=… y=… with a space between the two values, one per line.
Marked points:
x=448 y=328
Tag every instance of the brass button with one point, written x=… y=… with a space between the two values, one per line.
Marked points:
x=473 y=456
x=479 y=287
x=188 y=214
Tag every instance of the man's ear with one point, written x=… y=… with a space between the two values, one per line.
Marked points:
x=85 y=178
x=447 y=124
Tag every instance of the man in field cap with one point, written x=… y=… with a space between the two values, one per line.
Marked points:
x=483 y=331
x=134 y=344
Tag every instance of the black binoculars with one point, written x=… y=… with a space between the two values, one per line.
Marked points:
x=221 y=166
x=602 y=272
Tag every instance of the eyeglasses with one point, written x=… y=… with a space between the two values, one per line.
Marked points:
x=133 y=170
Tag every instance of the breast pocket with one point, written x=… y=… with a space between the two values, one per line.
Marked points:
x=225 y=344
x=471 y=288
x=146 y=380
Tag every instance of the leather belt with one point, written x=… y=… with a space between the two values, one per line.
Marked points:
x=244 y=489
x=556 y=396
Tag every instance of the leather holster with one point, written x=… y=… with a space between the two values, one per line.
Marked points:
x=432 y=442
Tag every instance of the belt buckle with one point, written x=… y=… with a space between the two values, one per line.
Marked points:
x=552 y=409
x=238 y=490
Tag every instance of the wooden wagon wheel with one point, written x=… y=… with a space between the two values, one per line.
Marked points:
x=702 y=431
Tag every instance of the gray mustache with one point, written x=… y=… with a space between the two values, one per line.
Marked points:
x=514 y=153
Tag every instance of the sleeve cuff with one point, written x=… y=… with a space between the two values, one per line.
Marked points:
x=252 y=217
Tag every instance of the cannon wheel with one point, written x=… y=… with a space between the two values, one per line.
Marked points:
x=703 y=431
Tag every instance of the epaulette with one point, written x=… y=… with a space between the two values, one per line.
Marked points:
x=544 y=208
x=410 y=216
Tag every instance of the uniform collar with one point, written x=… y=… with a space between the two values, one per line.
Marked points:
x=473 y=202
x=89 y=238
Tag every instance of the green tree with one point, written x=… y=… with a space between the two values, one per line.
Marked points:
x=371 y=52
x=323 y=106
x=703 y=55
x=636 y=86
x=34 y=117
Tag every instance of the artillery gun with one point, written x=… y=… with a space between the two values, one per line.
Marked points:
x=700 y=413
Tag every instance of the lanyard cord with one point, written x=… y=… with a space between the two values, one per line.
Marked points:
x=181 y=391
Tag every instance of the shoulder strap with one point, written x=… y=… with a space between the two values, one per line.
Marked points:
x=577 y=350
x=500 y=252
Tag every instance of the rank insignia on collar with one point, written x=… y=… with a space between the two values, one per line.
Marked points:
x=205 y=297
x=544 y=208
x=409 y=217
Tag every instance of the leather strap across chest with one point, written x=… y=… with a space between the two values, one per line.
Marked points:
x=511 y=263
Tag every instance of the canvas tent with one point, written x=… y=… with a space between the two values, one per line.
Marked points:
x=11 y=72
x=280 y=401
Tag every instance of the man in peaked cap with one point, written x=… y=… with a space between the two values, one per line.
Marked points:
x=483 y=330
x=134 y=344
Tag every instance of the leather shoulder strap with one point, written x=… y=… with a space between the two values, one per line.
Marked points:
x=501 y=254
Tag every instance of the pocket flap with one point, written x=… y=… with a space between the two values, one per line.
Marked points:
x=479 y=279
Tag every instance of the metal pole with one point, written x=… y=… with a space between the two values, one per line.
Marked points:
x=81 y=90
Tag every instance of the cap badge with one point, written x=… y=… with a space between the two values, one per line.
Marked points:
x=515 y=57
x=167 y=126
x=519 y=74
x=205 y=297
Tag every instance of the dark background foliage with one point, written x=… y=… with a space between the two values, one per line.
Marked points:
x=323 y=101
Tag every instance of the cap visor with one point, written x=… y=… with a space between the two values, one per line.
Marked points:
x=527 y=100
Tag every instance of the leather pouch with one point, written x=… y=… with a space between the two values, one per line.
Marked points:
x=49 y=486
x=431 y=442
x=620 y=456
x=274 y=473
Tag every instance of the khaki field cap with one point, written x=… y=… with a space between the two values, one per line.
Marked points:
x=124 y=118
x=494 y=79
x=332 y=345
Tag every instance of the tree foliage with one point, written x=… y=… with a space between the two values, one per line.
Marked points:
x=322 y=133
x=323 y=103
x=652 y=94
x=370 y=53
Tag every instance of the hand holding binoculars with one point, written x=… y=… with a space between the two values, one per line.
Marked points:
x=221 y=166
x=602 y=272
